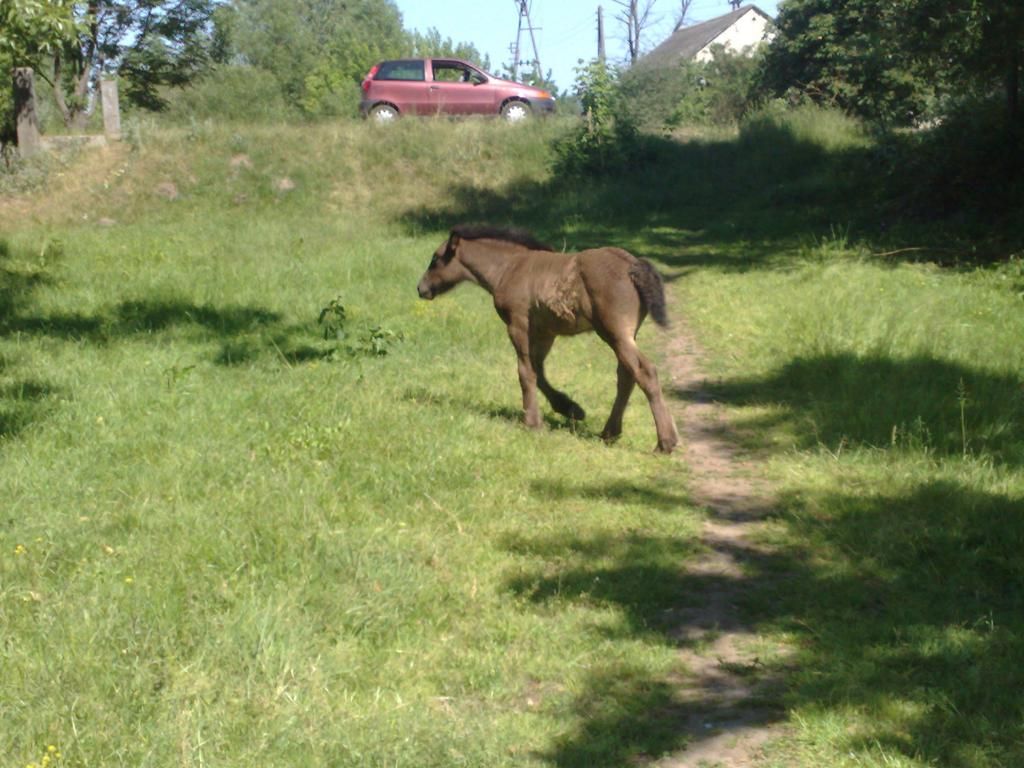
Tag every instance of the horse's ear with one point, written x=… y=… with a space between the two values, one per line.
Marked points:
x=453 y=243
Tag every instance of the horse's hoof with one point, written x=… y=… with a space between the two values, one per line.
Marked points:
x=665 y=446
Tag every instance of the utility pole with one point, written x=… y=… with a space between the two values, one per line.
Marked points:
x=600 y=34
x=524 y=16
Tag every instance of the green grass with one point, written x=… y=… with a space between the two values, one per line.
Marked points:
x=226 y=540
x=222 y=544
x=887 y=403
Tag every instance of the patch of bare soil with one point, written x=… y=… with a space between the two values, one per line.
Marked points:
x=727 y=708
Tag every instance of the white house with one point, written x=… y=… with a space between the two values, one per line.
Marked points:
x=738 y=30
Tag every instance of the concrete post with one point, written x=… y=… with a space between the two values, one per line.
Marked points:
x=111 y=109
x=25 y=117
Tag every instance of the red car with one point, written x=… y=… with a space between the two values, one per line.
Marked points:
x=446 y=87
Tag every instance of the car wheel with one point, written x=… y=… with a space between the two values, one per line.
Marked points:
x=383 y=113
x=516 y=111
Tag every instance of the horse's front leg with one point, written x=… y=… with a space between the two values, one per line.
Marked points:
x=540 y=345
x=519 y=334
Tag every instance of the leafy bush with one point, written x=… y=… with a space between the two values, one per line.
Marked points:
x=716 y=92
x=606 y=139
x=232 y=93
x=966 y=165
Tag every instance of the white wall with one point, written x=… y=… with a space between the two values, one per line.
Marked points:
x=750 y=29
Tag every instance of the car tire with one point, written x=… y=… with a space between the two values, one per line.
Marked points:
x=383 y=113
x=516 y=111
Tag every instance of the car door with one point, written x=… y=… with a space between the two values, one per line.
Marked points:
x=456 y=88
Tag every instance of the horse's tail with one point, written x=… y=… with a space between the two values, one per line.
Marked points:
x=651 y=289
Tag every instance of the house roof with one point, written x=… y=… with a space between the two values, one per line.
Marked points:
x=684 y=43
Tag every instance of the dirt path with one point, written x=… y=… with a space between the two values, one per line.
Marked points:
x=726 y=699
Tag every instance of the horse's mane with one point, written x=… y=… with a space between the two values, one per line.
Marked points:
x=508 y=235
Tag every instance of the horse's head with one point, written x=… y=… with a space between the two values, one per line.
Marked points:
x=445 y=270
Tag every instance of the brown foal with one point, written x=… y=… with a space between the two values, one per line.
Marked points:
x=541 y=294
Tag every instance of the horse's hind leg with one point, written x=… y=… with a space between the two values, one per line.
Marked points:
x=645 y=374
x=540 y=345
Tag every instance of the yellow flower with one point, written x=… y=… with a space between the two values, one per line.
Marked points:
x=20 y=549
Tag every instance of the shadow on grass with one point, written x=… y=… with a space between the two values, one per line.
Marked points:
x=624 y=714
x=22 y=400
x=911 y=619
x=509 y=414
x=244 y=334
x=759 y=200
x=21 y=403
x=662 y=499
x=906 y=609
x=914 y=403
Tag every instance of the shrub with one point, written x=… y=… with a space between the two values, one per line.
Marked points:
x=606 y=139
x=230 y=93
x=717 y=92
x=968 y=164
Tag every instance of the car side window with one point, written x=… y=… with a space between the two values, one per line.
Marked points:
x=453 y=72
x=401 y=70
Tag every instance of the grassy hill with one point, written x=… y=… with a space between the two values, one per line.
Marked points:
x=234 y=535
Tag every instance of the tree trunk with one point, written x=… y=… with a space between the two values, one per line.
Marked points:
x=26 y=121
x=76 y=114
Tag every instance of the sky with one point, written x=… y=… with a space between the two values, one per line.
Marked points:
x=565 y=30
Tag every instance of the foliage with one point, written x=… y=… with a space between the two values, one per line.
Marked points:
x=430 y=43
x=368 y=340
x=30 y=29
x=318 y=51
x=963 y=166
x=231 y=93
x=148 y=44
x=861 y=57
x=606 y=140
x=716 y=92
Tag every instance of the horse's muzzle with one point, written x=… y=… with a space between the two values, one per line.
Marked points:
x=425 y=291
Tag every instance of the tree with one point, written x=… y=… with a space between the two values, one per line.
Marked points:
x=318 y=49
x=681 y=14
x=70 y=44
x=636 y=15
x=430 y=43
x=893 y=60
x=847 y=55
x=30 y=29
